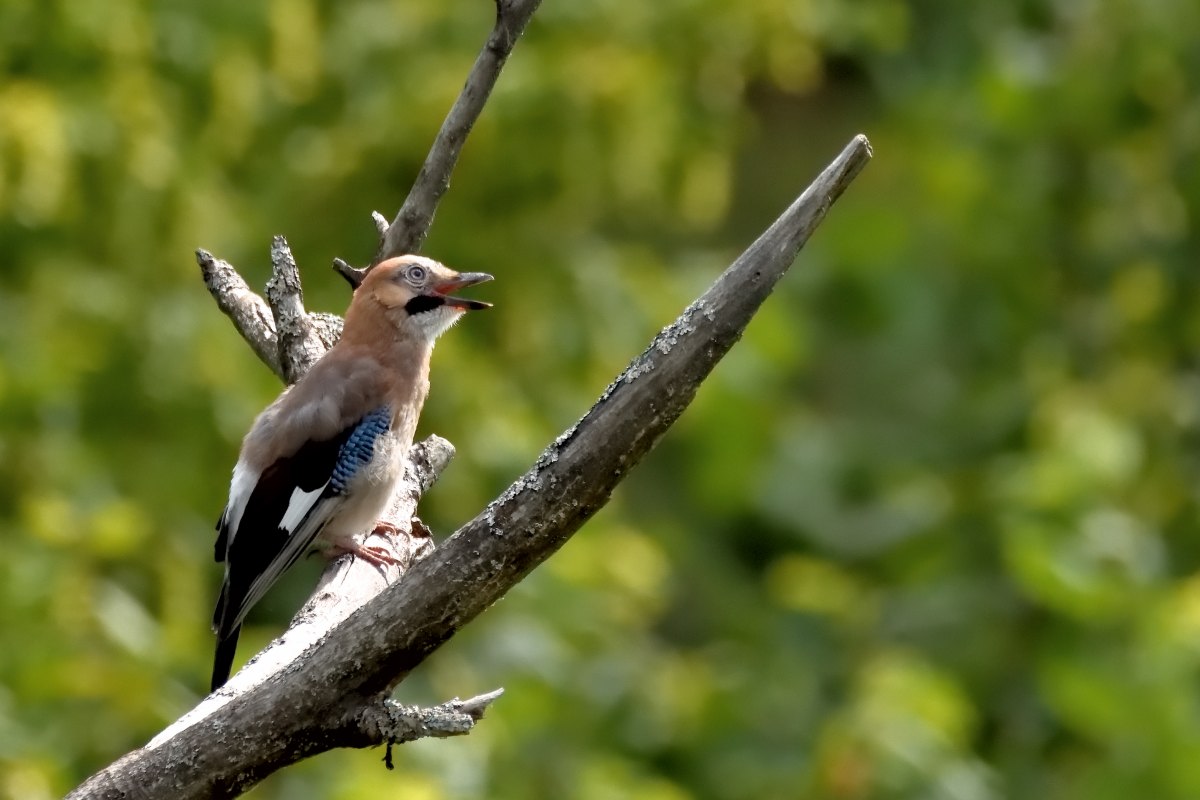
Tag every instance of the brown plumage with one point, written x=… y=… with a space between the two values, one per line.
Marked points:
x=321 y=461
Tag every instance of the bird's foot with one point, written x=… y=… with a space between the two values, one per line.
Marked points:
x=376 y=555
x=385 y=528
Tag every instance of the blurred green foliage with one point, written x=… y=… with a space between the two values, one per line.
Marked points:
x=929 y=532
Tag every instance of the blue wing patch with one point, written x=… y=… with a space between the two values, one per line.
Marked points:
x=358 y=451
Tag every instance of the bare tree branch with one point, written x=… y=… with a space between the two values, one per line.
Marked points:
x=333 y=694
x=397 y=724
x=353 y=275
x=381 y=223
x=249 y=312
x=408 y=230
x=306 y=336
x=299 y=349
x=405 y=233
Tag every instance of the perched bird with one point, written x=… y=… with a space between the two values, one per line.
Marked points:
x=319 y=464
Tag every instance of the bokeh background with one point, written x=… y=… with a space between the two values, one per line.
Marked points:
x=930 y=531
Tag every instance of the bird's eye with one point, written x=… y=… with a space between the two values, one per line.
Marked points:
x=415 y=274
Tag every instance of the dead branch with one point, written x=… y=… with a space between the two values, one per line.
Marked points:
x=336 y=691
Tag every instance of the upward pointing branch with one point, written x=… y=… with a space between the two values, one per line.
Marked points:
x=408 y=230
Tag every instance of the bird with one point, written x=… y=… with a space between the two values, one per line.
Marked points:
x=318 y=465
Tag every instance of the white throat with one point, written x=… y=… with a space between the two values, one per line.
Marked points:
x=435 y=322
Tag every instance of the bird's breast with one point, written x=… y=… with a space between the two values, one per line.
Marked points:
x=386 y=462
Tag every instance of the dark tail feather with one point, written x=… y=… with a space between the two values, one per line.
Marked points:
x=223 y=662
x=219 y=611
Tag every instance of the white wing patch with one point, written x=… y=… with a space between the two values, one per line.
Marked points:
x=299 y=506
x=240 y=489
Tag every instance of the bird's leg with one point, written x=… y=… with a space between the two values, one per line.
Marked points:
x=379 y=555
x=385 y=528
x=417 y=529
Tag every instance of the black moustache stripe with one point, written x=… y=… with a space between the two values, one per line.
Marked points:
x=422 y=303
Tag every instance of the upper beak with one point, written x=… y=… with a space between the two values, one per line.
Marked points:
x=463 y=280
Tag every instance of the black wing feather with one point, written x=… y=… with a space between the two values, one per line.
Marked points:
x=261 y=549
x=249 y=555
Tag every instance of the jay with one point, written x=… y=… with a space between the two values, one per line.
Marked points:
x=319 y=464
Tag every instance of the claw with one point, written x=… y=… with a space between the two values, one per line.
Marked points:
x=372 y=554
x=384 y=528
x=379 y=556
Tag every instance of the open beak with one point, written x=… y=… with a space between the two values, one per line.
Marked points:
x=463 y=280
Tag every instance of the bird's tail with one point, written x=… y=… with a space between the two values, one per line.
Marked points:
x=223 y=661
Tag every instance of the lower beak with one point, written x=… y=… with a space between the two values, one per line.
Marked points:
x=464 y=280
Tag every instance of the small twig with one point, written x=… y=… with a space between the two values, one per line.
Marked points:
x=381 y=224
x=407 y=232
x=391 y=723
x=353 y=275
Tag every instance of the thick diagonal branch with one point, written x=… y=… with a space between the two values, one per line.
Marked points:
x=317 y=702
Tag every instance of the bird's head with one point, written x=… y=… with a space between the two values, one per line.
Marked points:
x=417 y=292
